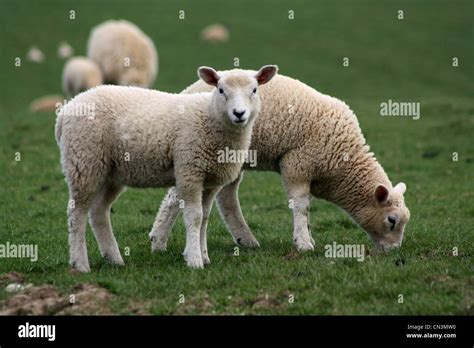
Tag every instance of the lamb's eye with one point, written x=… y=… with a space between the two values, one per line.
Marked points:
x=221 y=91
x=254 y=90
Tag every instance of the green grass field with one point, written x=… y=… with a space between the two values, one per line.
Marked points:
x=406 y=60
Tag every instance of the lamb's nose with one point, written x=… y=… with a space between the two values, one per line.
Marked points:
x=392 y=220
x=239 y=114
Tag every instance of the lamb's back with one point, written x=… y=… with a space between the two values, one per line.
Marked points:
x=296 y=117
x=134 y=128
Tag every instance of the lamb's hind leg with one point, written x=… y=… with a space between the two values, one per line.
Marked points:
x=231 y=212
x=77 y=220
x=99 y=216
x=81 y=194
x=207 y=200
x=229 y=208
x=85 y=167
x=164 y=221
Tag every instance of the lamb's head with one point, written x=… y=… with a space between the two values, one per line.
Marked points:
x=386 y=216
x=235 y=98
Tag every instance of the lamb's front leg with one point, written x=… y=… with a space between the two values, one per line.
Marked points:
x=299 y=196
x=192 y=197
x=207 y=200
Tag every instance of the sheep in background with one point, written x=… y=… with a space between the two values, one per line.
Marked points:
x=215 y=33
x=125 y=55
x=35 y=55
x=65 y=50
x=79 y=75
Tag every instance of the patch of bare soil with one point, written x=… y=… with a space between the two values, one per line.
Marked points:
x=264 y=301
x=38 y=300
x=292 y=255
x=139 y=307
x=198 y=304
x=46 y=103
x=84 y=299
x=12 y=277
x=88 y=299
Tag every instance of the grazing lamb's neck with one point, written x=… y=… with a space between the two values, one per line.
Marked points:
x=353 y=187
x=351 y=172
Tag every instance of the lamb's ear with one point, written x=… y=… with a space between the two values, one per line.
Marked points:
x=208 y=75
x=381 y=194
x=266 y=73
x=400 y=188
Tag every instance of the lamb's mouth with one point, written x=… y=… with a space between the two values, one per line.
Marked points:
x=239 y=122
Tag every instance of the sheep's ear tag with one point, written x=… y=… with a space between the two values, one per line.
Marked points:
x=381 y=194
x=208 y=75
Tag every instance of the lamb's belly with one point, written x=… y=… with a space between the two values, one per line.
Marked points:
x=145 y=169
x=157 y=179
x=262 y=161
x=224 y=174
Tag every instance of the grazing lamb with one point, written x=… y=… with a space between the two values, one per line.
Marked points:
x=145 y=138
x=125 y=54
x=314 y=141
x=79 y=75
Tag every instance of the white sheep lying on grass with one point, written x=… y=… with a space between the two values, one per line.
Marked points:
x=124 y=53
x=145 y=138
x=314 y=141
x=79 y=75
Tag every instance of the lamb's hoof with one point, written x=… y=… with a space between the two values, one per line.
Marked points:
x=205 y=259
x=249 y=241
x=114 y=259
x=195 y=264
x=82 y=267
x=194 y=261
x=157 y=245
x=304 y=245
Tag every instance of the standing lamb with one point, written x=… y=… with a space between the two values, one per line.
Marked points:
x=125 y=54
x=79 y=75
x=314 y=141
x=145 y=138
